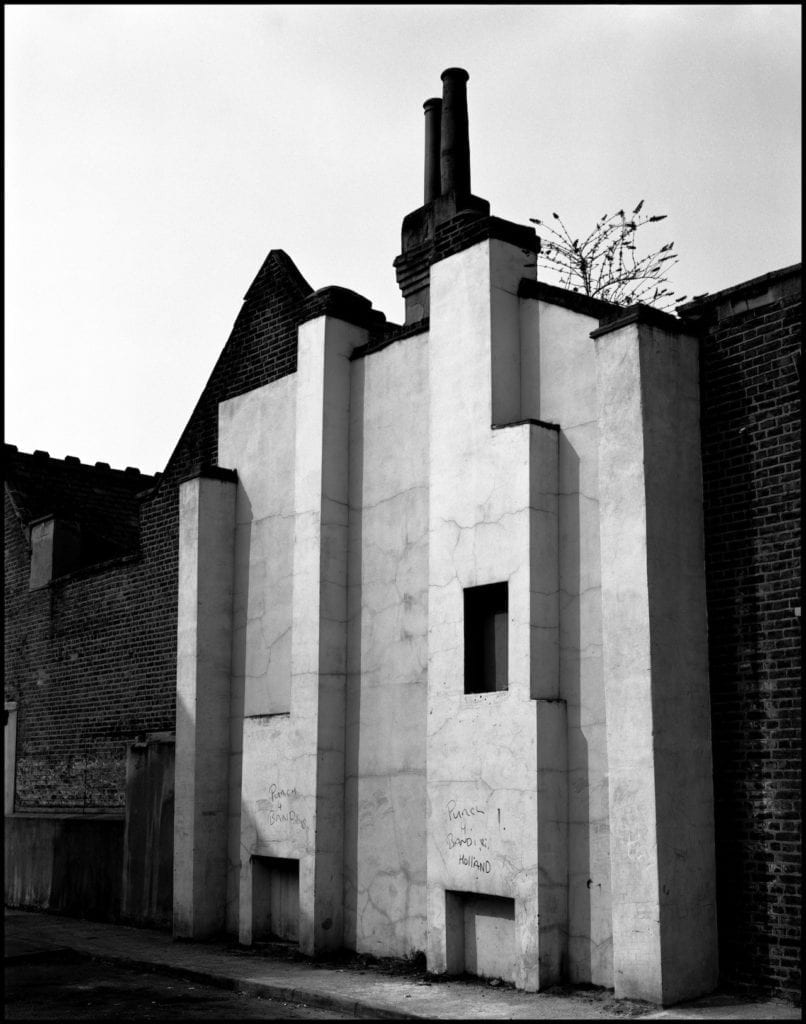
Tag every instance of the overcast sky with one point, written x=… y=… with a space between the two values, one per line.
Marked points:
x=155 y=154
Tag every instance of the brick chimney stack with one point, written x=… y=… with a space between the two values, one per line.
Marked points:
x=446 y=195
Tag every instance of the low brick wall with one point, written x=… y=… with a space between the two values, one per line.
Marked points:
x=68 y=864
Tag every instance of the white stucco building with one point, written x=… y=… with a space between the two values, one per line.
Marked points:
x=442 y=656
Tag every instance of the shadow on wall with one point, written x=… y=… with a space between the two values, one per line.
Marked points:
x=101 y=867
x=739 y=675
x=352 y=760
x=581 y=886
x=147 y=897
x=240 y=614
x=72 y=865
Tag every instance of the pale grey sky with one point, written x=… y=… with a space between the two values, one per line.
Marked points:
x=156 y=153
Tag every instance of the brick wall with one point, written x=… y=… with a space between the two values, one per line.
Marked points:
x=91 y=658
x=751 y=470
x=77 y=663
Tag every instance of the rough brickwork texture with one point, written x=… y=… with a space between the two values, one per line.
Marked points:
x=72 y=651
x=465 y=229
x=91 y=658
x=106 y=499
x=751 y=470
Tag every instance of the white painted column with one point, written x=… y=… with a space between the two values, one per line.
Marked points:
x=256 y=436
x=204 y=641
x=319 y=617
x=655 y=660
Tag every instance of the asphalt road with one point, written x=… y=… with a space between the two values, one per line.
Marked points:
x=80 y=988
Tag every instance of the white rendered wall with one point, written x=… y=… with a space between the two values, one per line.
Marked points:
x=385 y=810
x=557 y=340
x=656 y=665
x=319 y=618
x=256 y=434
x=204 y=639
x=292 y=625
x=371 y=493
x=496 y=761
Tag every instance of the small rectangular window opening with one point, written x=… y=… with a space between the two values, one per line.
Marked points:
x=486 y=637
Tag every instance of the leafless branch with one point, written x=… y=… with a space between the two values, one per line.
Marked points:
x=606 y=264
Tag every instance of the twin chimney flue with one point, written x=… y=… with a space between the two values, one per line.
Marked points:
x=446 y=191
x=447 y=142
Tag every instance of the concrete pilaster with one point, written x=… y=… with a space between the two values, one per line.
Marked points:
x=206 y=554
x=319 y=617
x=655 y=661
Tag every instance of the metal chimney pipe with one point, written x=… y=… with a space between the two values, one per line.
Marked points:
x=433 y=116
x=455 y=145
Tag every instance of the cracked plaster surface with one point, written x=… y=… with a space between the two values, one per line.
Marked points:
x=568 y=396
x=655 y=660
x=493 y=517
x=387 y=654
x=387 y=609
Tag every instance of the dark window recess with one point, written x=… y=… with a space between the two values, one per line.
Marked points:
x=486 y=635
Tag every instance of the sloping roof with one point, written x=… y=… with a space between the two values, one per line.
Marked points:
x=104 y=502
x=261 y=347
x=771 y=285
